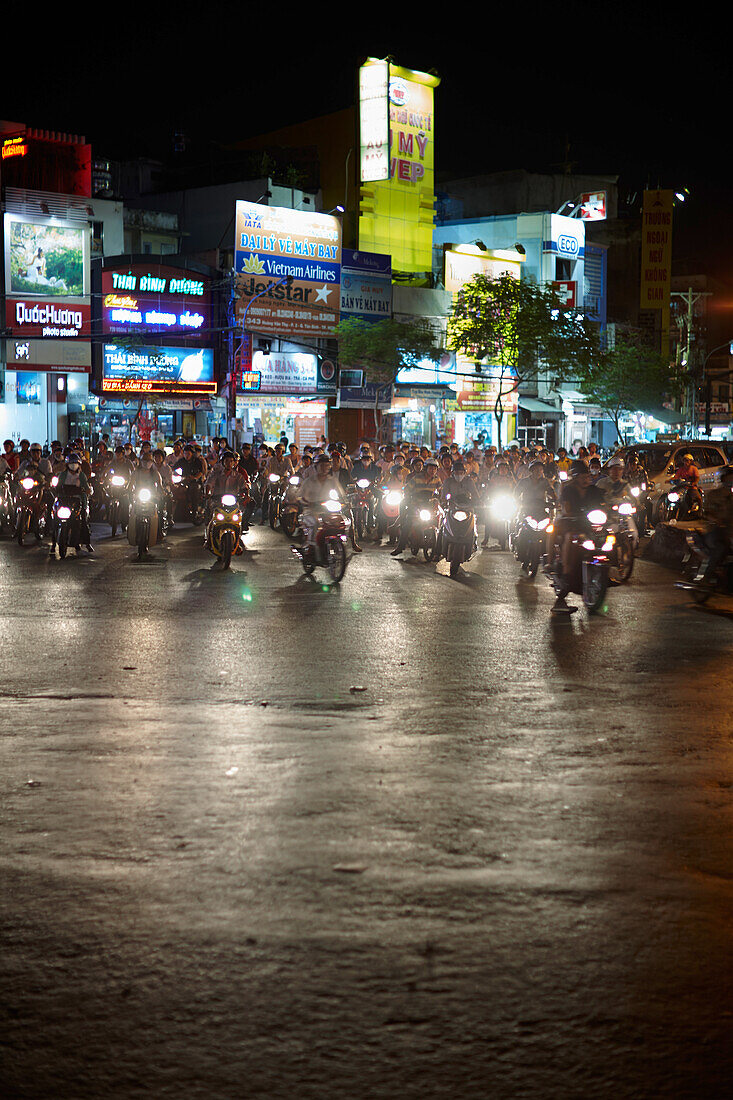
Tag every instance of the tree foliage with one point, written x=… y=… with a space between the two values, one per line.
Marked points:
x=383 y=348
x=629 y=376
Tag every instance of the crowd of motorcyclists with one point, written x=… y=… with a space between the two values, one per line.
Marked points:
x=405 y=492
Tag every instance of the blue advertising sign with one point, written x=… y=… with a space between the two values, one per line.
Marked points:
x=366 y=285
x=157 y=370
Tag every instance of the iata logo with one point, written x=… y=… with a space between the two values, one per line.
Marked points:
x=569 y=246
x=399 y=93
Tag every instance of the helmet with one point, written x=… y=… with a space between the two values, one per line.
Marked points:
x=365 y=449
x=431 y=462
x=535 y=464
x=578 y=467
x=616 y=462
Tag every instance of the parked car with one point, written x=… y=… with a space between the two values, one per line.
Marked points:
x=662 y=459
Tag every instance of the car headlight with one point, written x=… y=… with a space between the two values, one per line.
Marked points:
x=63 y=512
x=597 y=517
x=228 y=501
x=144 y=495
x=425 y=515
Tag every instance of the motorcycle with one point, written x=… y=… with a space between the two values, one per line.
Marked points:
x=640 y=493
x=675 y=504
x=362 y=507
x=277 y=486
x=224 y=533
x=290 y=507
x=7 y=509
x=389 y=512
x=30 y=503
x=142 y=526
x=528 y=541
x=698 y=582
x=424 y=518
x=183 y=489
x=329 y=552
x=118 y=502
x=621 y=558
x=67 y=520
x=502 y=509
x=458 y=537
x=591 y=575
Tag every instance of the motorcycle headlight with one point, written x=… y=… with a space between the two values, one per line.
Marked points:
x=563 y=475
x=120 y=481
x=503 y=507
x=673 y=497
x=461 y=515
x=220 y=515
x=626 y=509
x=332 y=505
x=176 y=478
x=544 y=523
x=589 y=545
x=425 y=515
x=228 y=501
x=27 y=483
x=609 y=543
x=532 y=523
x=273 y=478
x=144 y=496
x=294 y=481
x=393 y=498
x=54 y=482
x=63 y=512
x=635 y=491
x=597 y=517
x=236 y=516
x=363 y=483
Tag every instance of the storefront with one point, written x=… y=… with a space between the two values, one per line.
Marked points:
x=538 y=422
x=285 y=392
x=472 y=416
x=418 y=414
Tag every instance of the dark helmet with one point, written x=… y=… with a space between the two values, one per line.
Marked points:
x=578 y=466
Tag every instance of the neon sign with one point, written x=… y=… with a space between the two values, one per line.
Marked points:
x=14 y=147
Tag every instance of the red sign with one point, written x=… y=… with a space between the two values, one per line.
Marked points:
x=33 y=317
x=567 y=292
x=593 y=206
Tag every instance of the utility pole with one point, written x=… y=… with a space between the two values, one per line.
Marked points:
x=690 y=298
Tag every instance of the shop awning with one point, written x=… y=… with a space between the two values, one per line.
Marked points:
x=539 y=408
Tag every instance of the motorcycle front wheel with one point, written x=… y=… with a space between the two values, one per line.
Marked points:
x=143 y=539
x=336 y=559
x=430 y=545
x=23 y=523
x=227 y=547
x=624 y=559
x=113 y=517
x=595 y=584
x=63 y=541
x=288 y=522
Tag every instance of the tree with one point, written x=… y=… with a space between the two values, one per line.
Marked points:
x=520 y=328
x=384 y=348
x=630 y=375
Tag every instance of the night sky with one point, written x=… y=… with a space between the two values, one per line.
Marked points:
x=644 y=96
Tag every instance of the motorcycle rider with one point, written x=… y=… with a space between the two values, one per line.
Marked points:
x=313 y=492
x=719 y=513
x=340 y=471
x=74 y=480
x=166 y=477
x=688 y=471
x=578 y=496
x=34 y=464
x=613 y=485
x=194 y=472
x=459 y=486
x=176 y=457
x=500 y=483
x=423 y=479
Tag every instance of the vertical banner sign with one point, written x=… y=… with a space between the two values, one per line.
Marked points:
x=274 y=244
x=374 y=121
x=396 y=215
x=656 y=249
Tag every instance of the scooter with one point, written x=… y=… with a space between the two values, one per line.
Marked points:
x=332 y=534
x=290 y=507
x=698 y=581
x=424 y=518
x=7 y=509
x=389 y=512
x=528 y=541
x=182 y=488
x=118 y=503
x=594 y=542
x=224 y=533
x=362 y=507
x=66 y=521
x=458 y=537
x=675 y=504
x=621 y=525
x=30 y=509
x=142 y=527
x=278 y=486
x=502 y=509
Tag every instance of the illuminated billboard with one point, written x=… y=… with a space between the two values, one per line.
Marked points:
x=288 y=265
x=155 y=299
x=45 y=258
x=374 y=121
x=396 y=214
x=157 y=370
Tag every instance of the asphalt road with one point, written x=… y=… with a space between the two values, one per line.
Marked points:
x=409 y=837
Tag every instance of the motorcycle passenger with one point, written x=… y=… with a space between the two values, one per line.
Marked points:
x=72 y=480
x=719 y=512
x=594 y=465
x=634 y=471
x=10 y=456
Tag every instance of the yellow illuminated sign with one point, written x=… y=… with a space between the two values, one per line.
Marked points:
x=396 y=215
